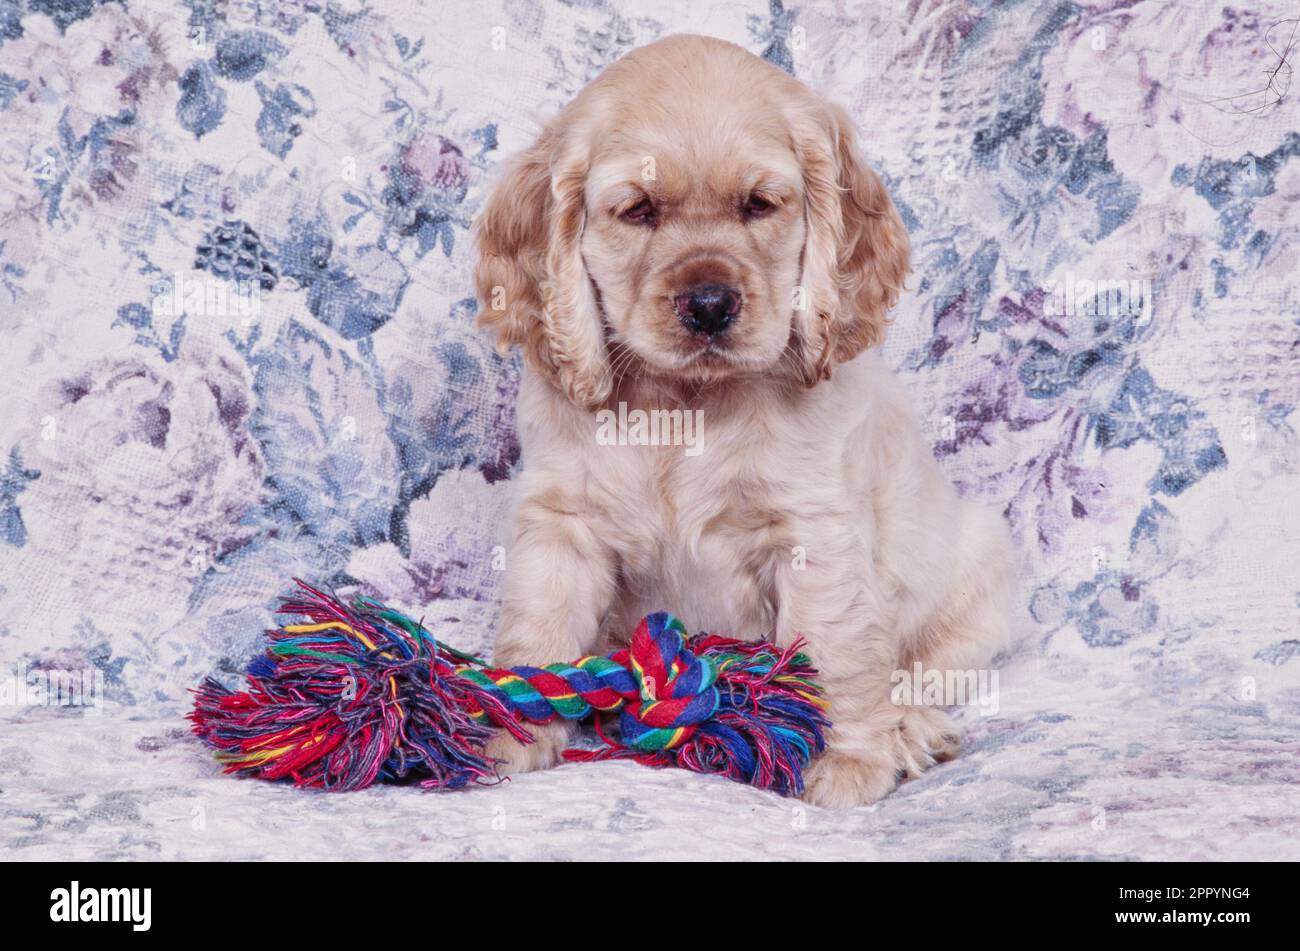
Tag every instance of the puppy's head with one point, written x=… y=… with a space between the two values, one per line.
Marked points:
x=695 y=209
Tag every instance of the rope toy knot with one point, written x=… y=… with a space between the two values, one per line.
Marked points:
x=678 y=689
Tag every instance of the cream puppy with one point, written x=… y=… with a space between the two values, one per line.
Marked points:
x=697 y=232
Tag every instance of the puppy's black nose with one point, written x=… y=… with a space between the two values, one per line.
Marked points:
x=708 y=308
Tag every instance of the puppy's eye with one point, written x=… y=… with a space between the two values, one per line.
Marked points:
x=756 y=206
x=642 y=213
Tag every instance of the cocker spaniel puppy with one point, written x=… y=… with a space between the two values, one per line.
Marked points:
x=697 y=234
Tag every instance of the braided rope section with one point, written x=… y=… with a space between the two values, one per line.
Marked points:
x=711 y=704
x=664 y=690
x=361 y=693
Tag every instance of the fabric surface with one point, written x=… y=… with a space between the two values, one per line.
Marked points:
x=237 y=334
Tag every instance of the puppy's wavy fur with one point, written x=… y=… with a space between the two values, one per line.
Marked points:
x=812 y=506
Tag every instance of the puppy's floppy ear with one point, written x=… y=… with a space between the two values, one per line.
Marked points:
x=856 y=255
x=531 y=281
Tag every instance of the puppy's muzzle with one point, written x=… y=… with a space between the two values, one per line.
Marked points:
x=708 y=309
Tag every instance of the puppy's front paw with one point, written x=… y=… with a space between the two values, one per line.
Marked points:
x=842 y=779
x=549 y=741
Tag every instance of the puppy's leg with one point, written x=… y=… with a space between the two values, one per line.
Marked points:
x=874 y=742
x=559 y=582
x=971 y=621
x=862 y=760
x=849 y=627
x=963 y=633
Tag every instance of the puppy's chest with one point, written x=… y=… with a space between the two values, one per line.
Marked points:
x=703 y=541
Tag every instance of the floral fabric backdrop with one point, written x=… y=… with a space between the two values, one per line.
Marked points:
x=237 y=342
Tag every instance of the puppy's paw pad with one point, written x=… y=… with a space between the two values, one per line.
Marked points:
x=842 y=780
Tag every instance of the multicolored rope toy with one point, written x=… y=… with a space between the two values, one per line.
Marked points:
x=361 y=692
